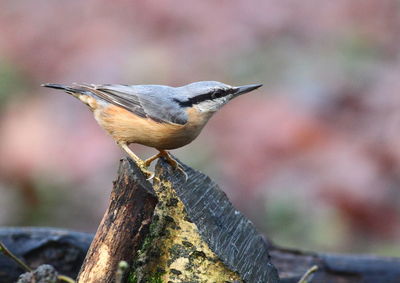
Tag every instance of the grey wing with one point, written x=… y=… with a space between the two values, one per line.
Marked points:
x=147 y=101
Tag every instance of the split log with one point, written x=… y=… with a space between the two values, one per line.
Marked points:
x=206 y=211
x=123 y=227
x=198 y=236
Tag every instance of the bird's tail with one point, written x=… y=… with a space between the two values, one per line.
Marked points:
x=75 y=91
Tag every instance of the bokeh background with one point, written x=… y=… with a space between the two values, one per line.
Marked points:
x=312 y=158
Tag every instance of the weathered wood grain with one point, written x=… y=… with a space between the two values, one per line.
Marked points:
x=231 y=236
x=173 y=250
x=210 y=210
x=123 y=227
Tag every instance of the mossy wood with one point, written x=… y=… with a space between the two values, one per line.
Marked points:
x=195 y=234
x=174 y=250
x=202 y=234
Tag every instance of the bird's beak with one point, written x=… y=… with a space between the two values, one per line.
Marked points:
x=245 y=88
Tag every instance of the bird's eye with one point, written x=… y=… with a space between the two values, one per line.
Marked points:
x=218 y=93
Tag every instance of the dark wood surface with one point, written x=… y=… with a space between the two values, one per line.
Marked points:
x=231 y=236
x=66 y=249
x=123 y=227
x=207 y=206
x=335 y=268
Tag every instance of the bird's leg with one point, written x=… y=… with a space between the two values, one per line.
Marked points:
x=139 y=162
x=172 y=162
x=148 y=161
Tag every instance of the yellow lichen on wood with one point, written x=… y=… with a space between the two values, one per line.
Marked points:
x=174 y=250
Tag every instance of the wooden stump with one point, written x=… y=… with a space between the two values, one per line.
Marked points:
x=198 y=236
x=179 y=231
x=174 y=250
x=123 y=227
x=195 y=235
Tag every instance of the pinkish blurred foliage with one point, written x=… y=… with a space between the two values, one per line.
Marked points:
x=313 y=158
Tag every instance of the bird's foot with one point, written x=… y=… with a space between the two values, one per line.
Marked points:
x=180 y=169
x=144 y=168
x=139 y=162
x=171 y=161
x=148 y=161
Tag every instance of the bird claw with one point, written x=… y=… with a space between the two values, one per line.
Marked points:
x=149 y=175
x=171 y=161
x=180 y=168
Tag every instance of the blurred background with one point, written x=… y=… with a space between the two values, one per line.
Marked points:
x=312 y=158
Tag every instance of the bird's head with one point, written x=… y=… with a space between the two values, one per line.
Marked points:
x=209 y=96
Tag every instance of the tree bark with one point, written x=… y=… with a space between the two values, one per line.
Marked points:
x=227 y=233
x=198 y=204
x=174 y=249
x=123 y=227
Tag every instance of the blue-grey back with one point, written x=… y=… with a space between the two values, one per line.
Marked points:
x=153 y=101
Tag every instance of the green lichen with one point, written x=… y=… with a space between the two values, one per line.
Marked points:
x=173 y=250
x=132 y=278
x=156 y=278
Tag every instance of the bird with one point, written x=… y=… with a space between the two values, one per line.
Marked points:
x=158 y=116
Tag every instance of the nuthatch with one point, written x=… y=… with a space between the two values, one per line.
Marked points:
x=158 y=116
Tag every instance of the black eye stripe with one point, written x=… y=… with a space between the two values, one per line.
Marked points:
x=218 y=93
x=214 y=94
